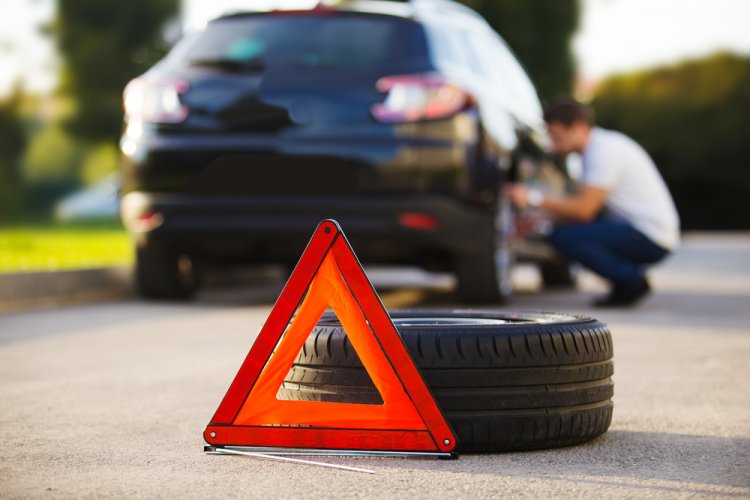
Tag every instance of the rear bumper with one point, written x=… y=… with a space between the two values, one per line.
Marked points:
x=276 y=229
x=435 y=157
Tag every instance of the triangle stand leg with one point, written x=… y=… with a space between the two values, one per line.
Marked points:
x=254 y=454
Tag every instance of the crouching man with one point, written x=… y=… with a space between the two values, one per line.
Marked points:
x=622 y=217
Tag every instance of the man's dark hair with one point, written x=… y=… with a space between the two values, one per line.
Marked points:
x=568 y=111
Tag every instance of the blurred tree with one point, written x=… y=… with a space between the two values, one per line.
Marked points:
x=540 y=34
x=693 y=119
x=51 y=168
x=12 y=145
x=103 y=45
x=53 y=157
x=99 y=162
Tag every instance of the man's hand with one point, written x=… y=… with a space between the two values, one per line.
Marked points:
x=582 y=207
x=524 y=197
x=518 y=193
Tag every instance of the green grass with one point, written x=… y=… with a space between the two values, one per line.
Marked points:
x=53 y=248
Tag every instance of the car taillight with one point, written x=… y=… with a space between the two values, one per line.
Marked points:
x=418 y=97
x=415 y=220
x=147 y=221
x=155 y=100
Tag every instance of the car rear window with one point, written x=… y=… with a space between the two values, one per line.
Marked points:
x=340 y=40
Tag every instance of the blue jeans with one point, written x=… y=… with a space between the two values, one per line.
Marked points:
x=612 y=249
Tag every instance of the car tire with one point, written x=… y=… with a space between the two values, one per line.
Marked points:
x=480 y=280
x=484 y=277
x=558 y=273
x=505 y=382
x=162 y=273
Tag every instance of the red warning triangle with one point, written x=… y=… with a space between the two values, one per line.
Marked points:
x=329 y=275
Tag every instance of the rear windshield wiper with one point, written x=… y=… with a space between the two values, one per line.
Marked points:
x=254 y=65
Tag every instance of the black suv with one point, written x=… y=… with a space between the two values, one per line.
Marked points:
x=401 y=121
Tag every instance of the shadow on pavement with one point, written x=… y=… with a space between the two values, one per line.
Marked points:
x=691 y=306
x=653 y=461
x=668 y=308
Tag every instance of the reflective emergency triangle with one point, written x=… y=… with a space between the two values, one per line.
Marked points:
x=329 y=275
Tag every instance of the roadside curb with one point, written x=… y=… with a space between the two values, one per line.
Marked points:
x=21 y=291
x=48 y=289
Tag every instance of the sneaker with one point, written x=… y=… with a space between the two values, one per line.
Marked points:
x=625 y=295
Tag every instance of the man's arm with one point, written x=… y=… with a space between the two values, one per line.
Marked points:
x=582 y=206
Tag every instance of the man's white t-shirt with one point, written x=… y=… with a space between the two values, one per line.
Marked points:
x=636 y=191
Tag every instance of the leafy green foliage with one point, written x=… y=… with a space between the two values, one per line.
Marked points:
x=100 y=162
x=540 y=33
x=103 y=45
x=51 y=164
x=53 y=157
x=12 y=145
x=693 y=119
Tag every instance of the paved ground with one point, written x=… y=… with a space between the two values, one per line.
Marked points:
x=110 y=400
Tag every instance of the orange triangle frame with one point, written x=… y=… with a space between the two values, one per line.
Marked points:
x=329 y=275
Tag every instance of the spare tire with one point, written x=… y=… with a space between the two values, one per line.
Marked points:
x=505 y=381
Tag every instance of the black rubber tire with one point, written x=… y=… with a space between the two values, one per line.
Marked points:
x=559 y=273
x=484 y=277
x=476 y=282
x=164 y=274
x=539 y=381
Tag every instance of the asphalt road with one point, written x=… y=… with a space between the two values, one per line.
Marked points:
x=109 y=400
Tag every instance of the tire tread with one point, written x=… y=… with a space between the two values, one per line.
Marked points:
x=513 y=387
